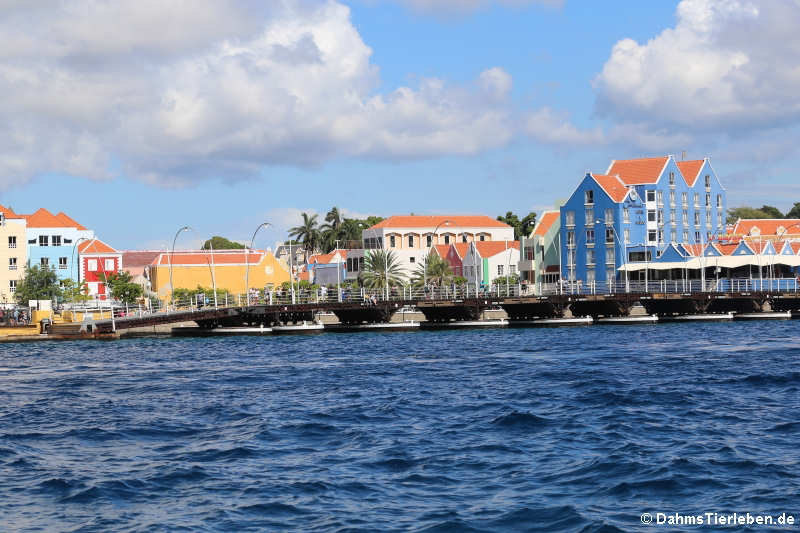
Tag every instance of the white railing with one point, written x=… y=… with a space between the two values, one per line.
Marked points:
x=670 y=286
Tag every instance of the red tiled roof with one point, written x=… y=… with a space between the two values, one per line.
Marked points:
x=71 y=222
x=492 y=248
x=727 y=249
x=638 y=171
x=690 y=170
x=441 y=249
x=8 y=213
x=95 y=246
x=139 y=258
x=612 y=185
x=546 y=222
x=324 y=259
x=767 y=226
x=431 y=221
x=795 y=247
x=203 y=257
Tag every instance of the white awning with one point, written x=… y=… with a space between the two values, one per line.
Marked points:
x=725 y=261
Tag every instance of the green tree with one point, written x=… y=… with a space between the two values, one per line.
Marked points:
x=380 y=266
x=121 y=287
x=736 y=213
x=771 y=212
x=307 y=233
x=39 y=283
x=72 y=291
x=221 y=243
x=522 y=227
x=436 y=269
x=794 y=212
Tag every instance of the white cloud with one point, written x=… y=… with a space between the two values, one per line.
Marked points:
x=548 y=126
x=726 y=64
x=184 y=90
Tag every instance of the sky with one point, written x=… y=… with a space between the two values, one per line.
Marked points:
x=137 y=117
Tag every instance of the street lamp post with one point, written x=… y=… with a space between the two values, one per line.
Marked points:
x=247 y=261
x=338 y=274
x=425 y=269
x=213 y=272
x=171 y=286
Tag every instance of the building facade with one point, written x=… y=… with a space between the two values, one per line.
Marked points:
x=13 y=253
x=52 y=240
x=227 y=269
x=97 y=260
x=411 y=237
x=634 y=211
x=543 y=248
x=488 y=260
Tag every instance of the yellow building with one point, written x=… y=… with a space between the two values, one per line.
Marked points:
x=228 y=268
x=13 y=253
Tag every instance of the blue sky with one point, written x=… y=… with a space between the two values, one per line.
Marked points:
x=379 y=107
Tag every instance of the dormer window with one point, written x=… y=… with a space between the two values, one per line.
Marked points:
x=589 y=196
x=672 y=178
x=708 y=180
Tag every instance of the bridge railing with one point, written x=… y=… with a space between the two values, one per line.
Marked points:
x=671 y=286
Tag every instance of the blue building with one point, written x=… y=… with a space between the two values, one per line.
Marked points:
x=52 y=240
x=634 y=212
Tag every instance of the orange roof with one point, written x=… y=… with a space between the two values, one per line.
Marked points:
x=546 y=222
x=43 y=218
x=95 y=246
x=431 y=221
x=612 y=185
x=461 y=248
x=492 y=248
x=204 y=258
x=767 y=226
x=8 y=213
x=69 y=221
x=638 y=171
x=795 y=247
x=441 y=249
x=690 y=170
x=324 y=259
x=727 y=249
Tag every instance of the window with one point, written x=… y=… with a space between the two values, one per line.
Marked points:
x=673 y=217
x=391 y=241
x=697 y=218
x=651 y=215
x=651 y=235
x=12 y=286
x=62 y=263
x=686 y=217
x=31 y=241
x=410 y=241
x=686 y=235
x=428 y=240
x=719 y=200
x=44 y=261
x=590 y=276
x=570 y=218
x=609 y=235
x=56 y=240
x=708 y=181
x=673 y=235
x=12 y=263
x=610 y=274
x=660 y=197
x=463 y=237
x=499 y=270
x=589 y=216
x=610 y=255
x=697 y=199
x=571 y=258
x=697 y=237
x=361 y=263
x=589 y=196
x=42 y=240
x=12 y=242
x=512 y=269
x=589 y=236
x=672 y=179
x=589 y=257
x=708 y=218
x=651 y=196
x=571 y=238
x=672 y=198
x=661 y=235
x=708 y=200
x=684 y=199
x=483 y=237
x=626 y=215
x=529 y=253
x=447 y=239
x=609 y=216
x=67 y=241
x=91 y=265
x=410 y=260
x=627 y=236
x=719 y=218
x=660 y=217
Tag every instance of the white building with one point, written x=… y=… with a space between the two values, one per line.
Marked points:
x=410 y=237
x=489 y=260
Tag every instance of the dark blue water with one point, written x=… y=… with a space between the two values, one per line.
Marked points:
x=503 y=430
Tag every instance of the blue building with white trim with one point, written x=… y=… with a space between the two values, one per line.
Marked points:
x=633 y=213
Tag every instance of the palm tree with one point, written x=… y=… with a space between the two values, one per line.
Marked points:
x=332 y=229
x=380 y=265
x=438 y=271
x=307 y=233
